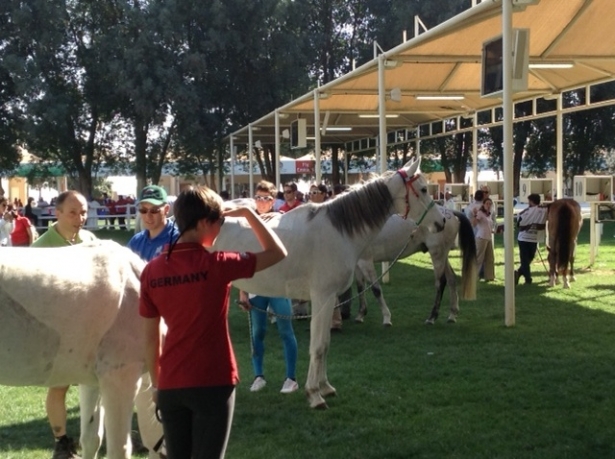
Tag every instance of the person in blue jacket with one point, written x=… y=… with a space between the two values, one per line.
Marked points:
x=159 y=230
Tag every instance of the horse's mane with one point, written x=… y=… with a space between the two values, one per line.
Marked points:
x=362 y=208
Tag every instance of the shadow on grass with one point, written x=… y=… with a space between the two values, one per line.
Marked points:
x=474 y=389
x=35 y=434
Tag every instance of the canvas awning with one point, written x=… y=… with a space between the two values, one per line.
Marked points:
x=447 y=60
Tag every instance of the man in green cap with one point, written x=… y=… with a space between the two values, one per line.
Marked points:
x=159 y=230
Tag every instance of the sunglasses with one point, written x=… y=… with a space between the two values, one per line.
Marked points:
x=263 y=198
x=152 y=211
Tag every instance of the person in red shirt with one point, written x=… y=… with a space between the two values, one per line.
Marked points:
x=195 y=373
x=22 y=235
x=290 y=196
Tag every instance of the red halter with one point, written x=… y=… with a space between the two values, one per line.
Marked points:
x=409 y=181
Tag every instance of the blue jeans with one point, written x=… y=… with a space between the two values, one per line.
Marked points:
x=258 y=316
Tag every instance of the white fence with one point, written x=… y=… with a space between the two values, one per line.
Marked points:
x=125 y=219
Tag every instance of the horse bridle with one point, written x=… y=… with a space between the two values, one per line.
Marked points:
x=409 y=186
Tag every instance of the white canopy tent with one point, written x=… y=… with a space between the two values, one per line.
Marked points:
x=571 y=45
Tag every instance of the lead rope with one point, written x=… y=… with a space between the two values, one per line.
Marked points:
x=291 y=317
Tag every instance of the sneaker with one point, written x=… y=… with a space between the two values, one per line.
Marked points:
x=258 y=384
x=289 y=386
x=65 y=449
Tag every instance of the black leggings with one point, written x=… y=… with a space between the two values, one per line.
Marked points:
x=197 y=421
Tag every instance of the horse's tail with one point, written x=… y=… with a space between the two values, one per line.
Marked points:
x=467 y=244
x=565 y=236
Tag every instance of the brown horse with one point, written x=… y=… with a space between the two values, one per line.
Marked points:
x=564 y=223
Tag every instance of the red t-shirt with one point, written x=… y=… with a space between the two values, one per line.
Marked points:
x=19 y=235
x=190 y=292
x=286 y=207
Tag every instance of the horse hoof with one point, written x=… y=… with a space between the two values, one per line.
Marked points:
x=452 y=320
x=387 y=324
x=430 y=322
x=316 y=401
x=358 y=320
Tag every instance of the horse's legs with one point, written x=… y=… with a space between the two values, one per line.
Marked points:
x=320 y=337
x=150 y=428
x=435 y=310
x=360 y=278
x=451 y=280
x=92 y=415
x=367 y=270
x=439 y=269
x=552 y=268
x=574 y=250
x=119 y=388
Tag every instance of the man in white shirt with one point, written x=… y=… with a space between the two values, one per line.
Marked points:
x=531 y=231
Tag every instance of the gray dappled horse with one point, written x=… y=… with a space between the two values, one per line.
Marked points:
x=394 y=242
x=324 y=243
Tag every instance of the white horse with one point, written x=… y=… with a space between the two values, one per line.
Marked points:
x=324 y=242
x=70 y=316
x=394 y=242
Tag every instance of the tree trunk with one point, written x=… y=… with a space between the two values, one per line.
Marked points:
x=140 y=128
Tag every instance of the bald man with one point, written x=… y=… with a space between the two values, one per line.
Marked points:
x=71 y=214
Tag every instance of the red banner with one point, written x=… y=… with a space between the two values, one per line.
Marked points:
x=305 y=167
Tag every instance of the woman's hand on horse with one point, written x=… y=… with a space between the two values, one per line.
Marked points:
x=238 y=212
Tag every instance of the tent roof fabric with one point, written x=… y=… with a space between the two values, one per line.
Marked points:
x=447 y=60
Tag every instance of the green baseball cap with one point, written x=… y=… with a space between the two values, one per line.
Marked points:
x=153 y=194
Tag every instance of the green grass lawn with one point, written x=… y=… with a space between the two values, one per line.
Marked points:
x=474 y=389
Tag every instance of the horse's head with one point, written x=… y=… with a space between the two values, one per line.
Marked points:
x=412 y=198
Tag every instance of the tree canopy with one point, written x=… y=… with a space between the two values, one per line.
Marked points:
x=145 y=83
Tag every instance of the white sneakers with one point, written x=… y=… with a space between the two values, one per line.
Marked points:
x=258 y=384
x=288 y=387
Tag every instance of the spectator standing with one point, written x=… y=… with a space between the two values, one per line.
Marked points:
x=257 y=305
x=121 y=210
x=159 y=230
x=6 y=223
x=279 y=201
x=494 y=207
x=109 y=204
x=290 y=197
x=531 y=223
x=471 y=208
x=318 y=193
x=29 y=212
x=483 y=231
x=21 y=235
x=71 y=214
x=195 y=371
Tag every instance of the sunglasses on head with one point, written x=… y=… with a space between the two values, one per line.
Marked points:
x=263 y=198
x=152 y=211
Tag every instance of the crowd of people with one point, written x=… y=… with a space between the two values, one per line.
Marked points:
x=192 y=367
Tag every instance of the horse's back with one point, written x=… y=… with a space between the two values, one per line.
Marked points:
x=57 y=305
